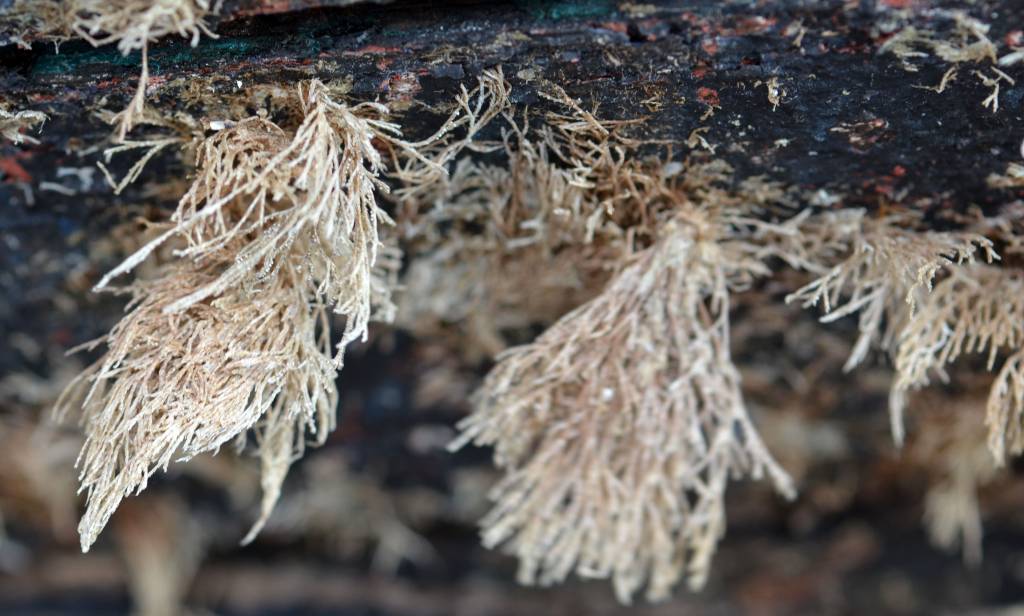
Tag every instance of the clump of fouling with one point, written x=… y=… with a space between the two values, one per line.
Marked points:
x=231 y=336
x=12 y=125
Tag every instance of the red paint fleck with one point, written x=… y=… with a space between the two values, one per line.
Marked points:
x=371 y=50
x=899 y=4
x=401 y=86
x=45 y=98
x=264 y=8
x=699 y=72
x=708 y=96
x=863 y=135
x=751 y=25
x=615 y=26
x=14 y=171
x=854 y=48
x=1015 y=38
x=62 y=337
x=899 y=171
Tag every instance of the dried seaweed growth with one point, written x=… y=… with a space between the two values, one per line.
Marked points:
x=133 y=25
x=951 y=444
x=172 y=386
x=1006 y=228
x=667 y=429
x=526 y=220
x=482 y=296
x=177 y=129
x=979 y=309
x=36 y=482
x=1005 y=410
x=1013 y=178
x=45 y=20
x=163 y=547
x=619 y=427
x=148 y=147
x=882 y=279
x=887 y=279
x=967 y=42
x=233 y=336
x=502 y=247
x=308 y=195
x=350 y=513
x=964 y=41
x=12 y=125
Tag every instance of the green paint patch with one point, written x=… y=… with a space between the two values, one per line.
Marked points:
x=55 y=64
x=164 y=56
x=568 y=9
x=209 y=49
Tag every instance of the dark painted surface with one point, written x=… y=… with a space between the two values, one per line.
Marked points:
x=909 y=147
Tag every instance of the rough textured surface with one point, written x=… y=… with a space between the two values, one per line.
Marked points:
x=853 y=129
x=851 y=122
